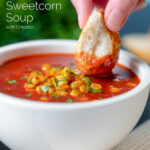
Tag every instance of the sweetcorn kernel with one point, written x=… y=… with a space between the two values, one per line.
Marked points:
x=67 y=76
x=34 y=74
x=64 y=70
x=61 y=83
x=29 y=86
x=60 y=77
x=96 y=86
x=66 y=87
x=54 y=82
x=51 y=91
x=75 y=84
x=74 y=71
x=48 y=84
x=62 y=88
x=131 y=84
x=38 y=89
x=53 y=72
x=74 y=92
x=41 y=78
x=59 y=88
x=47 y=75
x=61 y=93
x=35 y=80
x=45 y=67
x=44 y=98
x=83 y=88
x=115 y=90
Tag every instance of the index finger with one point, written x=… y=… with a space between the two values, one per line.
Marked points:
x=84 y=9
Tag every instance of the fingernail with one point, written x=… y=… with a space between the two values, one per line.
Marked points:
x=115 y=19
x=80 y=18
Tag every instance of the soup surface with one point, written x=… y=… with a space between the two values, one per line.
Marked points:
x=15 y=74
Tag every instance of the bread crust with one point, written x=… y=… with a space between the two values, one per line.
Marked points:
x=91 y=64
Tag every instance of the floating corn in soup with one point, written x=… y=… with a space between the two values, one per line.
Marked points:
x=54 y=78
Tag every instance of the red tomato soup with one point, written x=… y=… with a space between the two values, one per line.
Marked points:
x=53 y=78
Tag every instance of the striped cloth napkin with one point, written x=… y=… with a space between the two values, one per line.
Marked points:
x=138 y=139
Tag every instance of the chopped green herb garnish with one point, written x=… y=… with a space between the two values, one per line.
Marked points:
x=73 y=74
x=69 y=100
x=87 y=83
x=64 y=79
x=55 y=95
x=85 y=62
x=70 y=71
x=28 y=95
x=85 y=78
x=11 y=81
x=93 y=56
x=82 y=95
x=56 y=81
x=44 y=88
x=25 y=77
x=15 y=85
x=59 y=68
x=95 y=91
x=29 y=81
x=88 y=86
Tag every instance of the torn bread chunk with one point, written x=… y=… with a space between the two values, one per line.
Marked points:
x=98 y=48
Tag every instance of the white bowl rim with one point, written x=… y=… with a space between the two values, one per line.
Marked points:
x=11 y=100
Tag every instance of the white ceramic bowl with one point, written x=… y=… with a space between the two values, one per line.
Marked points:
x=99 y=125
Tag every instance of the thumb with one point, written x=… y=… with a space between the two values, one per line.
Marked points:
x=84 y=9
x=117 y=11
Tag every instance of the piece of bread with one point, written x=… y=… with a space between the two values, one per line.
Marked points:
x=139 y=44
x=98 y=48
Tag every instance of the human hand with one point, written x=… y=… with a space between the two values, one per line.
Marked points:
x=116 y=11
